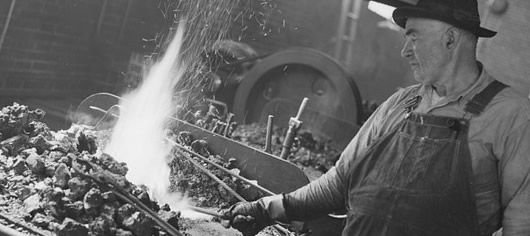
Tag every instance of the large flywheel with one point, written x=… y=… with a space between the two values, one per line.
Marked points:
x=277 y=84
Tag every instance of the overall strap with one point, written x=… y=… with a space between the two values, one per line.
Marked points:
x=479 y=102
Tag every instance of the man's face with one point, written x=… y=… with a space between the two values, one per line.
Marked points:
x=424 y=48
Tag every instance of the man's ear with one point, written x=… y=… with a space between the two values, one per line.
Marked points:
x=452 y=35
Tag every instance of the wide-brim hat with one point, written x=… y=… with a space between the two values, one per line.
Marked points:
x=460 y=13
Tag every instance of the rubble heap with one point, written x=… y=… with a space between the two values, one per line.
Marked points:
x=39 y=185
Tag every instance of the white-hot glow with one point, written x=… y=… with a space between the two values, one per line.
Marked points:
x=138 y=136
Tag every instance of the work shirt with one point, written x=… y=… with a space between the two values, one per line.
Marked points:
x=499 y=142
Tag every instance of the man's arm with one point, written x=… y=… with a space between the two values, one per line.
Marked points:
x=515 y=173
x=327 y=194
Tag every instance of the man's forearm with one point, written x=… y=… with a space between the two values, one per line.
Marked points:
x=318 y=198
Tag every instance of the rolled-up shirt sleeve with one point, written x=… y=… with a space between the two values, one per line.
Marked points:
x=515 y=181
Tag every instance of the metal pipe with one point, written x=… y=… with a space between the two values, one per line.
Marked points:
x=301 y=108
x=268 y=137
x=340 y=31
x=353 y=31
x=220 y=167
x=294 y=125
x=6 y=24
x=205 y=211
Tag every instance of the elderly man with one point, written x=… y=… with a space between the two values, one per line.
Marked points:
x=449 y=156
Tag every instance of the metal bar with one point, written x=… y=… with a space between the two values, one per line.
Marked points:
x=268 y=137
x=356 y=11
x=215 y=178
x=205 y=211
x=340 y=31
x=220 y=167
x=294 y=125
x=301 y=108
x=6 y=24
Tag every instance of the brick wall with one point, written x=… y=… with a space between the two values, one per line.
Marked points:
x=56 y=52
x=70 y=47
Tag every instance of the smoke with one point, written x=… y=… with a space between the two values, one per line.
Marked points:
x=138 y=136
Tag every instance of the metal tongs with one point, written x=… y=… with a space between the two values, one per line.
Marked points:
x=116 y=184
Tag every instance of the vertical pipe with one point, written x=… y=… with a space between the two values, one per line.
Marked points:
x=6 y=24
x=341 y=29
x=294 y=125
x=268 y=138
x=356 y=11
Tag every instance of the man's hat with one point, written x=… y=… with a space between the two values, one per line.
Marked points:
x=460 y=13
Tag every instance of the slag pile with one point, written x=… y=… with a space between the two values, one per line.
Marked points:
x=39 y=185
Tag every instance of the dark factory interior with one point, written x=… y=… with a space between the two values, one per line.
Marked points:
x=179 y=117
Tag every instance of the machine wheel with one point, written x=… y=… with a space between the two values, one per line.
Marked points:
x=279 y=82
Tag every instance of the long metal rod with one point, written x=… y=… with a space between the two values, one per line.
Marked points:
x=268 y=137
x=220 y=167
x=355 y=14
x=341 y=30
x=205 y=211
x=294 y=125
x=215 y=178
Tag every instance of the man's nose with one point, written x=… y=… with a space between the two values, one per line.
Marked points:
x=406 y=51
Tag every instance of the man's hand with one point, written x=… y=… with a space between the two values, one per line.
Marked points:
x=251 y=217
x=248 y=217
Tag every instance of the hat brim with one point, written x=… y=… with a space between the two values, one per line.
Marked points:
x=400 y=16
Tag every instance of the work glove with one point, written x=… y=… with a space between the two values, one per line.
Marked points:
x=251 y=217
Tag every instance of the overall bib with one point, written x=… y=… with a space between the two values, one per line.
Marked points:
x=417 y=179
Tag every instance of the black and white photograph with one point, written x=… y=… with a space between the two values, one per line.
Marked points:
x=265 y=117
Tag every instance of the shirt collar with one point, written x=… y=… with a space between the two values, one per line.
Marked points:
x=483 y=80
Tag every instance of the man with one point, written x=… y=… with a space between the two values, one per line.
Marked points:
x=449 y=156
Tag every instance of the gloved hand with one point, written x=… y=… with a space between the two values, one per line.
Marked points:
x=251 y=217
